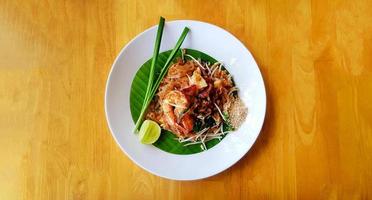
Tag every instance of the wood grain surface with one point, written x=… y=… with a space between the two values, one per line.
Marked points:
x=315 y=57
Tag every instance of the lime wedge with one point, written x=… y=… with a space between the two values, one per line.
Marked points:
x=149 y=132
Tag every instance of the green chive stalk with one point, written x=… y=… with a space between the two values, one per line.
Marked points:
x=154 y=57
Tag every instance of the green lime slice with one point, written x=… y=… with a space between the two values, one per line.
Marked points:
x=149 y=132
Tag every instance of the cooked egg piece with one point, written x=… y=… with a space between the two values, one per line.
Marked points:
x=197 y=79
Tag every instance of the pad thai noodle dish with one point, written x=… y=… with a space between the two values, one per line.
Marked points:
x=197 y=101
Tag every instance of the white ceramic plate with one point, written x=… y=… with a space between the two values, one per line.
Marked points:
x=215 y=42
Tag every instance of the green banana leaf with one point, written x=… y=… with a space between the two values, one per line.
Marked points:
x=167 y=141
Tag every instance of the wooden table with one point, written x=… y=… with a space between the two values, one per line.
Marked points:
x=315 y=57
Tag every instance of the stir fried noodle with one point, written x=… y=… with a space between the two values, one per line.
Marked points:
x=194 y=100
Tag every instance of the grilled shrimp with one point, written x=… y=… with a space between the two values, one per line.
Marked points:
x=174 y=104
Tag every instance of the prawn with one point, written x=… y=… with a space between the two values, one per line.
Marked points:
x=173 y=105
